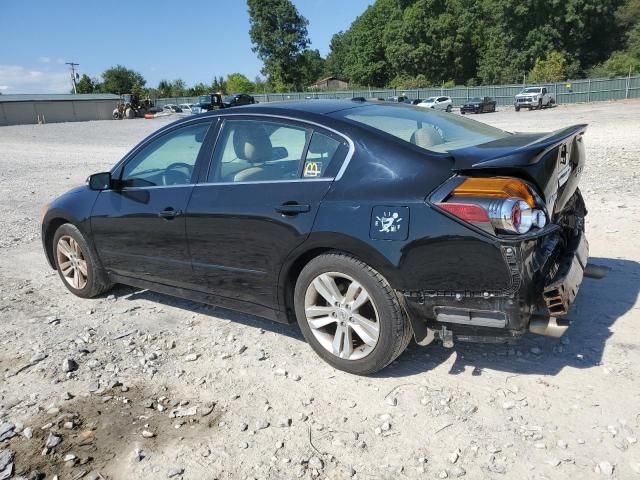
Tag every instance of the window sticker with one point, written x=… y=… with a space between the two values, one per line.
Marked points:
x=312 y=169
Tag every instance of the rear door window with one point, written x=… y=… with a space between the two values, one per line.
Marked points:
x=251 y=150
x=320 y=154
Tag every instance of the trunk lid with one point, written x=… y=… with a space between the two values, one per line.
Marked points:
x=553 y=162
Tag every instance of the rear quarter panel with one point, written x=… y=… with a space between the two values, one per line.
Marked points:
x=437 y=253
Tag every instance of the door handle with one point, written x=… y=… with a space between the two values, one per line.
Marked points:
x=169 y=213
x=293 y=208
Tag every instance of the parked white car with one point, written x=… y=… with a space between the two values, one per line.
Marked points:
x=187 y=107
x=437 y=103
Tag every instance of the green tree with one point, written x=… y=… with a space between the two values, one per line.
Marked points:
x=85 y=84
x=365 y=60
x=119 y=80
x=178 y=88
x=482 y=41
x=279 y=36
x=312 y=67
x=618 y=64
x=261 y=85
x=627 y=59
x=554 y=68
x=164 y=88
x=335 y=62
x=198 y=89
x=238 y=83
x=218 y=85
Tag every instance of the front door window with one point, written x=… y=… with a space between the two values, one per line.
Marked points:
x=168 y=160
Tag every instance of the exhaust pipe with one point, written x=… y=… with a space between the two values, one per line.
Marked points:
x=596 y=271
x=548 y=326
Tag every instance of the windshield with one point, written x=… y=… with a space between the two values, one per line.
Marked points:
x=531 y=90
x=204 y=99
x=476 y=99
x=430 y=100
x=228 y=98
x=429 y=129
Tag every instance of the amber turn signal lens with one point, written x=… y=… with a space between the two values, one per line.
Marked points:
x=494 y=188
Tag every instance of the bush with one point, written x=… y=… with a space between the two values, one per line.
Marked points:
x=618 y=64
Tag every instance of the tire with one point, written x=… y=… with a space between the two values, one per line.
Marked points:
x=449 y=108
x=540 y=104
x=130 y=113
x=96 y=280
x=393 y=329
x=517 y=109
x=116 y=114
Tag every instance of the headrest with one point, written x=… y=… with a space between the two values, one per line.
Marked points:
x=251 y=143
x=426 y=137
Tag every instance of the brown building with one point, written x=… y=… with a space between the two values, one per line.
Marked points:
x=330 y=83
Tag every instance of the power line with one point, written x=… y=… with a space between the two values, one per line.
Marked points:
x=73 y=74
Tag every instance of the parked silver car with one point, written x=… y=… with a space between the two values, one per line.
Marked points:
x=533 y=97
x=437 y=103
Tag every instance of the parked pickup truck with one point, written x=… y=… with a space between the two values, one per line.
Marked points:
x=534 y=97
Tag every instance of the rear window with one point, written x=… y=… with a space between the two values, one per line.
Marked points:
x=428 y=129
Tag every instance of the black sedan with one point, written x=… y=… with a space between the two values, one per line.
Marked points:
x=237 y=100
x=479 y=105
x=366 y=224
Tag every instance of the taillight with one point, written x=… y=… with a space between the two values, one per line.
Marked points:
x=495 y=204
x=466 y=211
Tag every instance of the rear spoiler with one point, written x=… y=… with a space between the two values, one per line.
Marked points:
x=517 y=150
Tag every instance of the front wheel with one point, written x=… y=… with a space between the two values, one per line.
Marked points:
x=349 y=314
x=517 y=109
x=77 y=264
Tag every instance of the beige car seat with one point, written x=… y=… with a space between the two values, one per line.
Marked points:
x=426 y=137
x=252 y=144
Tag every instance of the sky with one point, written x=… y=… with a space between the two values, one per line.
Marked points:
x=162 y=39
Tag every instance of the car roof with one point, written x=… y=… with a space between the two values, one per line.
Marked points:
x=318 y=107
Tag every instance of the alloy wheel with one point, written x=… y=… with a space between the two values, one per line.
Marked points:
x=342 y=315
x=71 y=262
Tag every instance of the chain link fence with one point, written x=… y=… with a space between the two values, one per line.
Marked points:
x=571 y=91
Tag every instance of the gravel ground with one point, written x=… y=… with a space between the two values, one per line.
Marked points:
x=141 y=385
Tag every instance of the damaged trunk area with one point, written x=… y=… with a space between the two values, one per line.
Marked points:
x=545 y=264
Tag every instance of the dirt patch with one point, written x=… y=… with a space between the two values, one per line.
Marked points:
x=101 y=432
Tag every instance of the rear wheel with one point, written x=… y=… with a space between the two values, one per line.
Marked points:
x=77 y=264
x=449 y=108
x=349 y=314
x=517 y=109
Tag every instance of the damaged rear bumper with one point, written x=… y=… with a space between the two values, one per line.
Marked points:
x=561 y=291
x=546 y=273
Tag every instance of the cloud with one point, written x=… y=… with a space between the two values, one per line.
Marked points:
x=19 y=79
x=59 y=61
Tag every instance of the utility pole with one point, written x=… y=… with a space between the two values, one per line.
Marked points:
x=73 y=74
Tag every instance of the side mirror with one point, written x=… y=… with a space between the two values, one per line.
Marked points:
x=99 y=181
